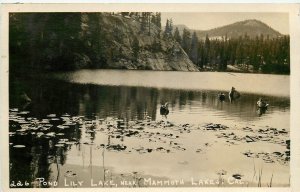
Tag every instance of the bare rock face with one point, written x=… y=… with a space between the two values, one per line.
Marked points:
x=155 y=52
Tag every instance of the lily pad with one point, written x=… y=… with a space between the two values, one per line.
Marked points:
x=51 y=134
x=22 y=122
x=39 y=134
x=34 y=128
x=23 y=112
x=51 y=115
x=62 y=127
x=69 y=142
x=69 y=124
x=22 y=130
x=14 y=110
x=59 y=145
x=19 y=146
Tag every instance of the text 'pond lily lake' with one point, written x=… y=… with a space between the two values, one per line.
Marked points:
x=105 y=128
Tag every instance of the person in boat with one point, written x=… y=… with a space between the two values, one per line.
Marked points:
x=233 y=94
x=221 y=96
x=164 y=110
x=261 y=103
x=262 y=106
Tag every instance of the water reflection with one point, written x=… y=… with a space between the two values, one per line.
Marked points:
x=261 y=110
x=34 y=160
x=127 y=103
x=131 y=103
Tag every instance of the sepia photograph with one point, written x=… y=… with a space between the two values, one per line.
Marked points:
x=115 y=99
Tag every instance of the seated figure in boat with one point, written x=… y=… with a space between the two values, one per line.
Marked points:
x=233 y=94
x=221 y=96
x=164 y=110
x=262 y=103
x=262 y=106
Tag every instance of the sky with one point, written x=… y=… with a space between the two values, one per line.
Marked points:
x=205 y=21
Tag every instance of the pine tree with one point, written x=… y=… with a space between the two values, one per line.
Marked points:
x=170 y=31
x=158 y=20
x=97 y=38
x=206 y=51
x=153 y=19
x=135 y=48
x=177 y=36
x=186 y=41
x=149 y=14
x=166 y=29
x=143 y=21
x=201 y=54
x=194 y=48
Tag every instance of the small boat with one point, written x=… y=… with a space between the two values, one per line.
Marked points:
x=234 y=94
x=164 y=110
x=262 y=104
x=221 y=97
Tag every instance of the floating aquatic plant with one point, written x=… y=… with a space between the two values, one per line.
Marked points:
x=19 y=146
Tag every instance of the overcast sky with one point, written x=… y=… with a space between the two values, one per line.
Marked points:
x=204 y=21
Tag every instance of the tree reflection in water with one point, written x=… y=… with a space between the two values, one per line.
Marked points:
x=97 y=102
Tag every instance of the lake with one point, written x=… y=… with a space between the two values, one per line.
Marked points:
x=121 y=137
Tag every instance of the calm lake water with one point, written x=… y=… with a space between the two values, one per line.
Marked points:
x=138 y=95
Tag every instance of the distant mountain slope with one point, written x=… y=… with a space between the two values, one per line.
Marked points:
x=181 y=27
x=250 y=27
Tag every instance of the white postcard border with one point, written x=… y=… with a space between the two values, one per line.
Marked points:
x=294 y=19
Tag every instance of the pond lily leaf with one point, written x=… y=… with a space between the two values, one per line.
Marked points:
x=51 y=115
x=19 y=146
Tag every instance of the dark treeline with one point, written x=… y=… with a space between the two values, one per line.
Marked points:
x=260 y=54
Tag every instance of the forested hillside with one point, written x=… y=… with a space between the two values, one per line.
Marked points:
x=251 y=27
x=260 y=49
x=68 y=41
x=137 y=40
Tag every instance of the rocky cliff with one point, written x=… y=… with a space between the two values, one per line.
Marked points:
x=155 y=52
